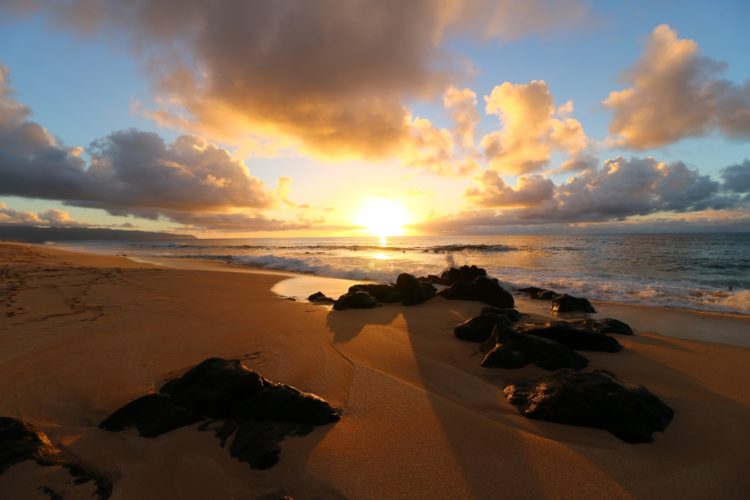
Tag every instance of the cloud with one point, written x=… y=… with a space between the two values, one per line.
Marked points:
x=675 y=93
x=127 y=172
x=332 y=75
x=531 y=129
x=462 y=104
x=622 y=188
x=429 y=148
x=530 y=190
x=737 y=177
x=52 y=217
x=235 y=222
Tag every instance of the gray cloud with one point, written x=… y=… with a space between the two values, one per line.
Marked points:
x=676 y=93
x=333 y=74
x=737 y=177
x=128 y=172
x=621 y=189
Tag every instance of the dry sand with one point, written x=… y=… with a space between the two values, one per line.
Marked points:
x=81 y=335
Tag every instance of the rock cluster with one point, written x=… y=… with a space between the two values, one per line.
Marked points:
x=513 y=349
x=259 y=413
x=575 y=336
x=597 y=399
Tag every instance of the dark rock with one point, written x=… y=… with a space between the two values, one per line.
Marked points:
x=575 y=338
x=412 y=290
x=21 y=441
x=320 y=298
x=483 y=289
x=356 y=300
x=605 y=325
x=539 y=293
x=479 y=328
x=489 y=291
x=460 y=290
x=282 y=403
x=152 y=415
x=260 y=411
x=382 y=293
x=512 y=314
x=433 y=280
x=597 y=399
x=512 y=349
x=568 y=303
x=215 y=387
x=463 y=273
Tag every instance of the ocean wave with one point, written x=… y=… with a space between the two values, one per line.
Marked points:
x=334 y=247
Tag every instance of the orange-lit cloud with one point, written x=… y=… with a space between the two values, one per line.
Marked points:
x=51 y=217
x=531 y=129
x=675 y=93
x=462 y=104
x=329 y=76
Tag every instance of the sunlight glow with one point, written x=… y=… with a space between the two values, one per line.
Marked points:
x=382 y=217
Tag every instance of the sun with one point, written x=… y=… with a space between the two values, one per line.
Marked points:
x=382 y=216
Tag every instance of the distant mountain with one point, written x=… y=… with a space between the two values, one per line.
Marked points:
x=33 y=234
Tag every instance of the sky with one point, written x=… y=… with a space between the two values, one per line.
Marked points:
x=336 y=117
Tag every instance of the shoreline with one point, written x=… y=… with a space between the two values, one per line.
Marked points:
x=421 y=418
x=689 y=324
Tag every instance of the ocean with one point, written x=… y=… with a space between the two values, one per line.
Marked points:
x=708 y=272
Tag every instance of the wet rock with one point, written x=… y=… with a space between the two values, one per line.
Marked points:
x=259 y=413
x=460 y=290
x=512 y=349
x=320 y=298
x=463 y=273
x=597 y=399
x=539 y=293
x=479 y=328
x=382 y=293
x=512 y=314
x=21 y=441
x=489 y=291
x=412 y=290
x=605 y=325
x=483 y=289
x=433 y=280
x=356 y=300
x=568 y=303
x=575 y=338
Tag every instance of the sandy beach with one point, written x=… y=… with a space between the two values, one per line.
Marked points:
x=81 y=335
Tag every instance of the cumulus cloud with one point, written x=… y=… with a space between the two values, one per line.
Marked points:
x=531 y=129
x=52 y=217
x=737 y=177
x=330 y=74
x=429 y=148
x=462 y=105
x=674 y=93
x=620 y=189
x=530 y=190
x=127 y=172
